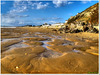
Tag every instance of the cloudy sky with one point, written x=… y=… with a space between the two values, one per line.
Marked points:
x=19 y=13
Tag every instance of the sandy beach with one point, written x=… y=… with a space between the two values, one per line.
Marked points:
x=33 y=50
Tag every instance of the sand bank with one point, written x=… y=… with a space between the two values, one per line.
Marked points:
x=38 y=50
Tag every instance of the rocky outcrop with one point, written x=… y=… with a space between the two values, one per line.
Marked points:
x=87 y=20
x=91 y=14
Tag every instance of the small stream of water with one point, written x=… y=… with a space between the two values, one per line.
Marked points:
x=48 y=53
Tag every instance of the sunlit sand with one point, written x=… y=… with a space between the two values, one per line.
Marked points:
x=31 y=50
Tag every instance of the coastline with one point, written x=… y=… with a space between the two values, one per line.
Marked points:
x=7 y=27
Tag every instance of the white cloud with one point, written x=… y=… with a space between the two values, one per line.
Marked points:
x=59 y=3
x=51 y=22
x=7 y=21
x=18 y=10
x=56 y=18
x=39 y=5
x=42 y=6
x=21 y=22
x=22 y=6
x=85 y=1
x=12 y=19
x=19 y=6
x=70 y=3
x=14 y=16
x=24 y=16
x=49 y=18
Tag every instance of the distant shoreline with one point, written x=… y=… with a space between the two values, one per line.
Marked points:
x=7 y=27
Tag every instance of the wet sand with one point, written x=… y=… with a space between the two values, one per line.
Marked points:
x=32 y=50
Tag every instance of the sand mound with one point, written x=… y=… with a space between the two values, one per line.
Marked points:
x=5 y=45
x=61 y=48
x=33 y=43
x=19 y=62
x=35 y=39
x=59 y=42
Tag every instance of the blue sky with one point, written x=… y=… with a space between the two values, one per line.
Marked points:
x=19 y=13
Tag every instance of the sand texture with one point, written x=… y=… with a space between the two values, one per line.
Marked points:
x=32 y=50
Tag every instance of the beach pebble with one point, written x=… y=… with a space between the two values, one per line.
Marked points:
x=17 y=67
x=25 y=53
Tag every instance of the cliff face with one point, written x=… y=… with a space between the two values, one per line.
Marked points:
x=91 y=15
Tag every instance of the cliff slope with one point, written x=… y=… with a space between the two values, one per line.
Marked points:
x=91 y=15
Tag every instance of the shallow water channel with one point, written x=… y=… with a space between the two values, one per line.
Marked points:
x=47 y=53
